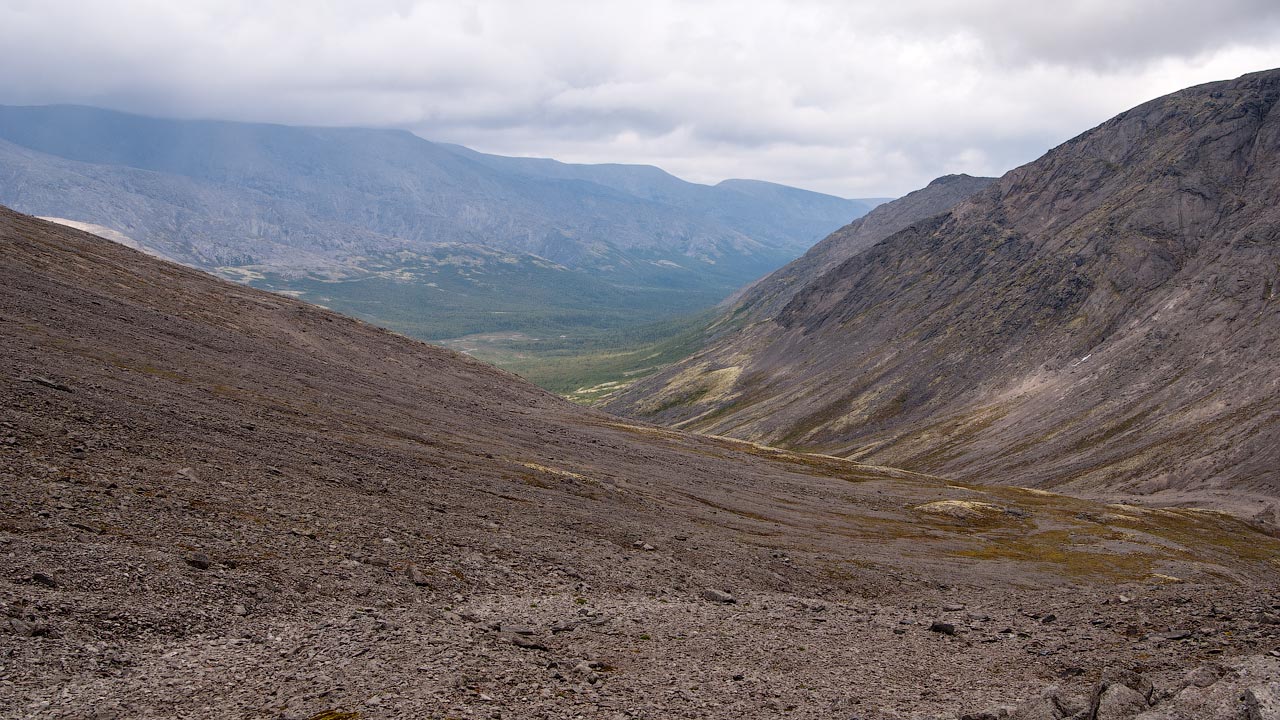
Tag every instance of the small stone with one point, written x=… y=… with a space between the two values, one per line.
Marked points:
x=1120 y=701
x=52 y=384
x=240 y=610
x=521 y=641
x=1262 y=701
x=516 y=629
x=22 y=628
x=44 y=579
x=199 y=561
x=188 y=473
x=953 y=607
x=945 y=628
x=719 y=596
x=416 y=576
x=994 y=714
x=1203 y=676
x=1048 y=618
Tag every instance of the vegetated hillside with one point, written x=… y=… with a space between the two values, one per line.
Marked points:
x=216 y=497
x=1103 y=319
x=340 y=205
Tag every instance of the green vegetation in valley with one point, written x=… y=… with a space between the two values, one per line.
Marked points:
x=572 y=332
x=468 y=290
x=589 y=368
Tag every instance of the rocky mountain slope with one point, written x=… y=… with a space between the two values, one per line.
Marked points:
x=746 y=317
x=1101 y=320
x=763 y=299
x=216 y=501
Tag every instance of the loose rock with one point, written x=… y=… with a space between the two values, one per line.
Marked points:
x=719 y=596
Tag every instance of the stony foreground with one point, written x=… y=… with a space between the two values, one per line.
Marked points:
x=215 y=502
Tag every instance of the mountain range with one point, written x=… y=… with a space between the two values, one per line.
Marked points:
x=433 y=239
x=1100 y=321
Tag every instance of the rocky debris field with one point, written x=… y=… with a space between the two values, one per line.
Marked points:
x=216 y=502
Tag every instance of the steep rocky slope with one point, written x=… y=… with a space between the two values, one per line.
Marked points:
x=763 y=299
x=1102 y=320
x=744 y=320
x=219 y=502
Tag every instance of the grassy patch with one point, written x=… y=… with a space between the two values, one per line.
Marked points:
x=589 y=367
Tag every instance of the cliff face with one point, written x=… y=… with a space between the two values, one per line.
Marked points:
x=1103 y=318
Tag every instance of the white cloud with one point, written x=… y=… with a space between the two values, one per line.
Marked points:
x=852 y=98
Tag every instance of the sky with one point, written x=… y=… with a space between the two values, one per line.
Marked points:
x=857 y=99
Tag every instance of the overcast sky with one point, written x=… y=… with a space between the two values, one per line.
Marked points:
x=853 y=98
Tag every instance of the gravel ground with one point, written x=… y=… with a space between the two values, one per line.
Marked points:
x=215 y=502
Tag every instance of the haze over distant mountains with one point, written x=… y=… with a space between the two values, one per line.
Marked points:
x=1101 y=320
x=427 y=227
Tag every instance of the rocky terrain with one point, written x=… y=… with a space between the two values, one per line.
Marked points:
x=763 y=299
x=216 y=501
x=1100 y=321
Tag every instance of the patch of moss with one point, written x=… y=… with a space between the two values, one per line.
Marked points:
x=1059 y=549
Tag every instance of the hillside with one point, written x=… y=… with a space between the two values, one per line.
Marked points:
x=764 y=298
x=1098 y=321
x=618 y=377
x=358 y=219
x=218 y=500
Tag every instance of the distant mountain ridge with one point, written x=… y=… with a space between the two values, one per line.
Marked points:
x=1103 y=319
x=434 y=240
x=300 y=193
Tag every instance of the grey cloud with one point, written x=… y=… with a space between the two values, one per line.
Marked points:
x=851 y=98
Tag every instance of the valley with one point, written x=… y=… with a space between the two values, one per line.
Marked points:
x=304 y=416
x=217 y=499
x=434 y=240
